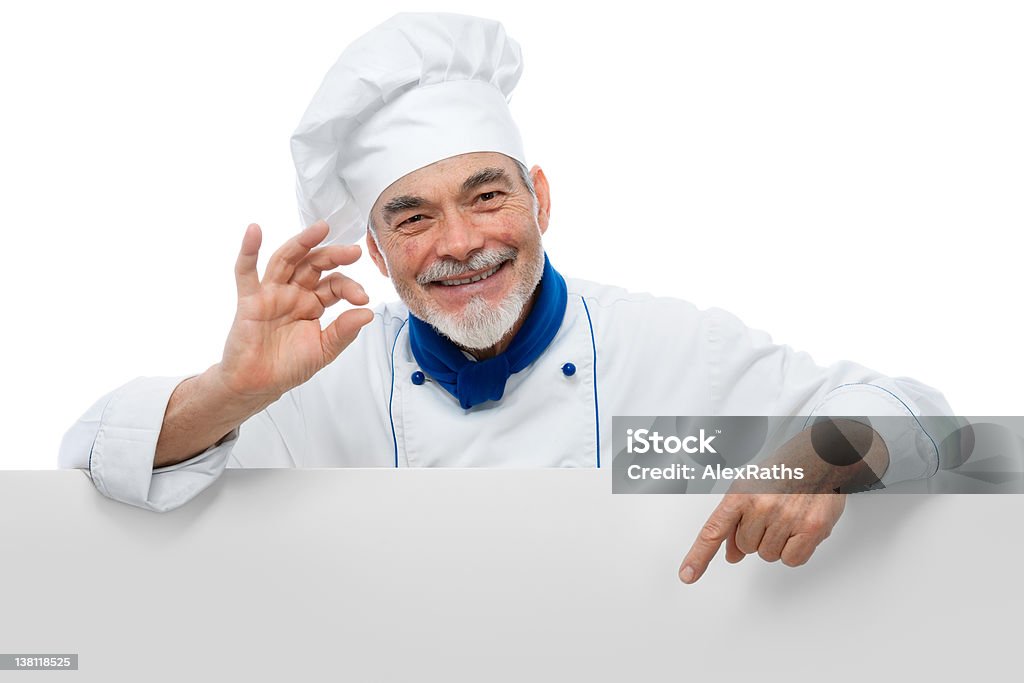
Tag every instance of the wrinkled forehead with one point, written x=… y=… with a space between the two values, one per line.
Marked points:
x=447 y=177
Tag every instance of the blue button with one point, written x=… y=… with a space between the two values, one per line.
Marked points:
x=569 y=369
x=418 y=378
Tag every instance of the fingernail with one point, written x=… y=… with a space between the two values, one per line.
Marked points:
x=687 y=575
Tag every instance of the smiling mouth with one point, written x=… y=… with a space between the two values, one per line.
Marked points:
x=473 y=278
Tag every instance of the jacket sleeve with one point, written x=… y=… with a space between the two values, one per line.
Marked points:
x=115 y=442
x=750 y=375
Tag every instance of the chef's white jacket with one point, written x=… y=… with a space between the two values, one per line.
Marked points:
x=634 y=354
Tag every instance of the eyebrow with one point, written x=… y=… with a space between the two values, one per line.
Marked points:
x=401 y=203
x=485 y=176
x=407 y=201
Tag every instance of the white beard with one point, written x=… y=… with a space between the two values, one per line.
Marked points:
x=480 y=325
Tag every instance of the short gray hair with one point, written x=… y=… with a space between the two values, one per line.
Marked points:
x=524 y=175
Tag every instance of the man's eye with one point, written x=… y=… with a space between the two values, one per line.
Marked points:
x=488 y=196
x=412 y=219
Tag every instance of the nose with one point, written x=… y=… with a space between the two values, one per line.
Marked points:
x=459 y=237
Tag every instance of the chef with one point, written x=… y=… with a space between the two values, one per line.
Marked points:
x=492 y=358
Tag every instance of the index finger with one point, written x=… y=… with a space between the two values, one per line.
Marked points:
x=719 y=527
x=282 y=264
x=308 y=272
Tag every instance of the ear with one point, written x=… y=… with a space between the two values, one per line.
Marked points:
x=374 y=249
x=540 y=185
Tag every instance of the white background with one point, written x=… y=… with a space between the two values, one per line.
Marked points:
x=846 y=176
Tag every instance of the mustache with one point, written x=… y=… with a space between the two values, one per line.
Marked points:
x=450 y=269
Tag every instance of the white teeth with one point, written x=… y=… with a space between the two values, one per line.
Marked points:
x=476 y=278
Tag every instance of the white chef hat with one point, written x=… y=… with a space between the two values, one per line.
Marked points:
x=416 y=89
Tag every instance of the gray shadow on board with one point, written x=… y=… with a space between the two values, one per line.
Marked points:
x=868 y=528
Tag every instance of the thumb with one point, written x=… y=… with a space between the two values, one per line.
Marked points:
x=336 y=337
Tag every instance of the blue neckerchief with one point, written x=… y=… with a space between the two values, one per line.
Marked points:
x=473 y=382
